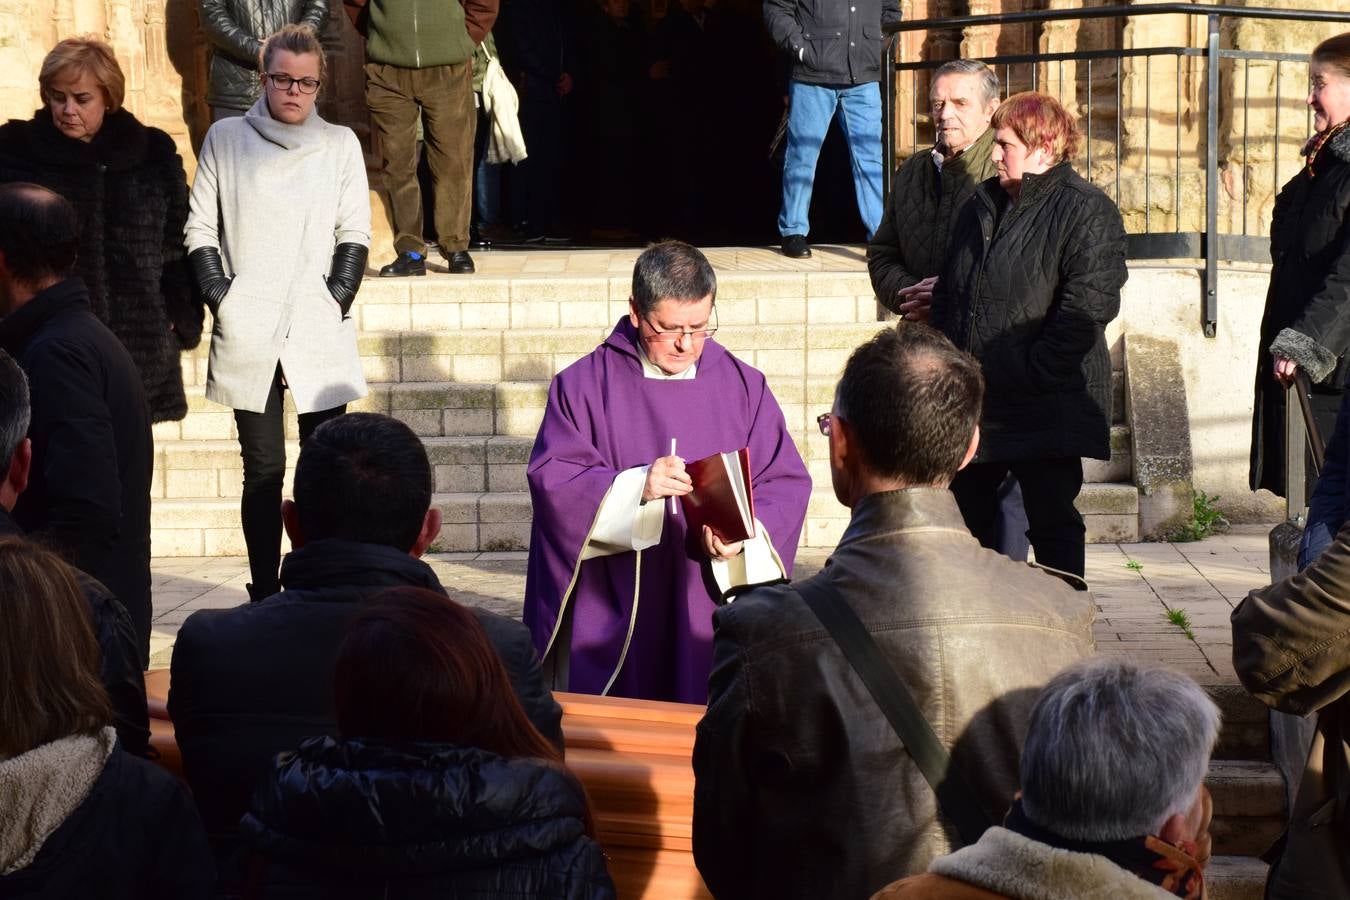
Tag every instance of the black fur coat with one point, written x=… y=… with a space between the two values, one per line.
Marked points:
x=130 y=191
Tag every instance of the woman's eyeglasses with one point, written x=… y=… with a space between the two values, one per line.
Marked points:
x=284 y=82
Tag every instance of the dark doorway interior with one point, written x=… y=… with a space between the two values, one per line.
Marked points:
x=647 y=119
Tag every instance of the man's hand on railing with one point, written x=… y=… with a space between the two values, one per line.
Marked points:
x=1286 y=370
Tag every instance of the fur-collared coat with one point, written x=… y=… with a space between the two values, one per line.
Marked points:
x=1307 y=317
x=130 y=191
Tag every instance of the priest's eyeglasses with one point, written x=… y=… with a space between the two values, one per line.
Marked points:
x=670 y=337
x=283 y=83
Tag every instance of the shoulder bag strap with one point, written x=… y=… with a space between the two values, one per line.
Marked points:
x=954 y=794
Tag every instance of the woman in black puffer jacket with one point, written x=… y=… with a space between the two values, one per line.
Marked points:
x=126 y=181
x=1307 y=318
x=439 y=785
x=1032 y=279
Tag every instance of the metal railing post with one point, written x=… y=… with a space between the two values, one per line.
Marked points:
x=888 y=116
x=1211 y=301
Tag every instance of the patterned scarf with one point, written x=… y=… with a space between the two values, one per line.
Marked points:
x=1317 y=142
x=1171 y=868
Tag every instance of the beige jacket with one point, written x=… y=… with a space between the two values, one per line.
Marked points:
x=1291 y=649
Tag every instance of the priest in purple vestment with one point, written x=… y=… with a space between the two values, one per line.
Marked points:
x=619 y=594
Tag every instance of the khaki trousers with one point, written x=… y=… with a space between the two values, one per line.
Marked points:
x=443 y=96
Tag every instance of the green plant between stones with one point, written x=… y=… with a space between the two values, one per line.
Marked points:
x=1134 y=565
x=1179 y=618
x=1205 y=520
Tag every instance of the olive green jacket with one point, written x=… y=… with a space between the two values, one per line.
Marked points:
x=911 y=242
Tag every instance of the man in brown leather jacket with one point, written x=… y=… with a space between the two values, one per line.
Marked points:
x=1291 y=650
x=802 y=787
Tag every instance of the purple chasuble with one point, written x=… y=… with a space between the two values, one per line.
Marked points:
x=603 y=417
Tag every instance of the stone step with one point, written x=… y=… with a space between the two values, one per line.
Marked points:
x=780 y=350
x=1120 y=467
x=1249 y=805
x=1235 y=878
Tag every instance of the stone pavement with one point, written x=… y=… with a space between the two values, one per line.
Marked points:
x=1135 y=586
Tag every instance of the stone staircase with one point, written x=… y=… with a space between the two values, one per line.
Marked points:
x=466 y=362
x=1249 y=798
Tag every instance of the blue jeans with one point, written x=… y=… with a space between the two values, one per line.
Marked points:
x=811 y=108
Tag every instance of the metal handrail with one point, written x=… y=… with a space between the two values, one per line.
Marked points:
x=1116 y=12
x=1210 y=244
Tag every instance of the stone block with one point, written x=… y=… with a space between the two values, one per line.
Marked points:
x=780 y=363
x=826 y=363
x=157 y=481
x=837 y=284
x=385 y=317
x=1159 y=420
x=513 y=507
x=443 y=395
x=466 y=421
x=182 y=484
x=1107 y=499
x=166 y=431
x=468 y=341
x=527 y=366
x=831 y=310
x=736 y=311
x=788 y=389
x=538 y=313
x=176 y=542
x=424 y=422
x=458 y=289
x=476 y=368
x=846 y=336
x=587 y=313
x=503 y=477
x=384 y=292
x=227 y=542
x=526 y=292
x=459 y=478
x=823 y=532
x=208 y=426
x=1111 y=529
x=456 y=451
x=485 y=315
x=456 y=538
x=376 y=400
x=508 y=450
x=435 y=316
x=380 y=368
x=781 y=310
x=757 y=285
x=415 y=368
x=458 y=508
x=503 y=536
x=194 y=514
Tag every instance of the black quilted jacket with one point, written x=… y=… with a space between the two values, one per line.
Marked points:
x=236 y=30
x=130 y=192
x=911 y=242
x=1028 y=289
x=357 y=819
x=1309 y=294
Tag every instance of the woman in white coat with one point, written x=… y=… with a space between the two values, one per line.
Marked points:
x=278 y=233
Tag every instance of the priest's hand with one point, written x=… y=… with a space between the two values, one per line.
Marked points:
x=713 y=546
x=666 y=478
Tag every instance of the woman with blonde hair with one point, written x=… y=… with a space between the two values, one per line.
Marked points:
x=278 y=234
x=438 y=784
x=78 y=816
x=1032 y=279
x=126 y=181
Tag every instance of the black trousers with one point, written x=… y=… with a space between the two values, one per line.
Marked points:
x=1049 y=487
x=262 y=444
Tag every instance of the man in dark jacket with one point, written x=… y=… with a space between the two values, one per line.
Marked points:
x=88 y=493
x=419 y=65
x=250 y=682
x=906 y=254
x=119 y=662
x=236 y=30
x=802 y=787
x=835 y=47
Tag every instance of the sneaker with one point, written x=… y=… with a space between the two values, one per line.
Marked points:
x=461 y=263
x=408 y=263
x=795 y=246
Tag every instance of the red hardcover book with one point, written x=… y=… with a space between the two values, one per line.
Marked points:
x=721 y=498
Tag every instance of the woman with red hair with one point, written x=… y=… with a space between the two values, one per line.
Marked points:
x=438 y=786
x=1033 y=277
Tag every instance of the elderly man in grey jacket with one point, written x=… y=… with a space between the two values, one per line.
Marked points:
x=802 y=787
